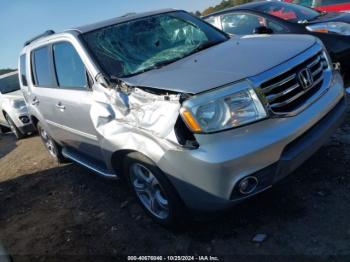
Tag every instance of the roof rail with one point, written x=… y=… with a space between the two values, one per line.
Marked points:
x=46 y=33
x=128 y=14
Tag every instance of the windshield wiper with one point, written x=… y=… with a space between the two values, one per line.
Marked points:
x=195 y=50
x=164 y=63
x=203 y=46
x=154 y=66
x=161 y=64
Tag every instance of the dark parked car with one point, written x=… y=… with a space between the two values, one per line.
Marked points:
x=284 y=18
x=324 y=5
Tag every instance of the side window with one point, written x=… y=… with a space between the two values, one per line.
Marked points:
x=276 y=27
x=241 y=24
x=211 y=20
x=70 y=70
x=22 y=68
x=41 y=67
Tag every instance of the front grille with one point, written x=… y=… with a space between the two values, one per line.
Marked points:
x=286 y=93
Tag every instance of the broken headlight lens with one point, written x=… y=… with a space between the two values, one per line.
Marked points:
x=224 y=108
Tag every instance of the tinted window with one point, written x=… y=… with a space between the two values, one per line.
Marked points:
x=23 y=70
x=147 y=43
x=9 y=84
x=41 y=64
x=240 y=24
x=245 y=24
x=211 y=20
x=290 y=12
x=276 y=27
x=70 y=70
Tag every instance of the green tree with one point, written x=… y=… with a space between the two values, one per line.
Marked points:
x=197 y=13
x=5 y=71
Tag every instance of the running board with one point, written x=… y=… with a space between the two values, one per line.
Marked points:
x=88 y=164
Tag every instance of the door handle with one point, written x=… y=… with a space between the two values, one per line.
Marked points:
x=60 y=106
x=35 y=101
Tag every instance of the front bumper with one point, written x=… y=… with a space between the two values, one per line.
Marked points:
x=24 y=126
x=27 y=128
x=206 y=178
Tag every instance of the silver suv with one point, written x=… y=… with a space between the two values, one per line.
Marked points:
x=192 y=119
x=13 y=109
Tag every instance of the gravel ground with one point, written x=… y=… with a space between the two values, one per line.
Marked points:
x=48 y=210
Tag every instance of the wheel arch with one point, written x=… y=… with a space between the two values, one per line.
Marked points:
x=34 y=120
x=117 y=160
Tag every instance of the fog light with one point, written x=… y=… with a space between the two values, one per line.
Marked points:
x=248 y=185
x=24 y=119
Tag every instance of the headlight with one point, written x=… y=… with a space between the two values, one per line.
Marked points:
x=325 y=57
x=228 y=107
x=330 y=27
x=18 y=103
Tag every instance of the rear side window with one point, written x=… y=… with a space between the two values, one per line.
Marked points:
x=42 y=69
x=23 y=72
x=240 y=24
x=70 y=70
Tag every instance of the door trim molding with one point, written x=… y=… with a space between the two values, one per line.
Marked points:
x=74 y=131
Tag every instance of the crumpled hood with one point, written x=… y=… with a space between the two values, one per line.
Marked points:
x=233 y=60
x=14 y=95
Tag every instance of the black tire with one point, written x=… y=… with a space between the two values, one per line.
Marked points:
x=14 y=129
x=52 y=147
x=4 y=129
x=175 y=205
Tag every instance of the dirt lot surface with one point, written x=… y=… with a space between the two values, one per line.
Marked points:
x=50 y=209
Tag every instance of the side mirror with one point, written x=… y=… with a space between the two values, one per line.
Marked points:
x=263 y=30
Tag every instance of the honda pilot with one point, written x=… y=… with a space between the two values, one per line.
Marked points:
x=193 y=119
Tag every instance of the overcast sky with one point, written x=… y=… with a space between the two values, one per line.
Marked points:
x=20 y=20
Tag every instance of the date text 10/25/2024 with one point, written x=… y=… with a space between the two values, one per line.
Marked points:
x=173 y=258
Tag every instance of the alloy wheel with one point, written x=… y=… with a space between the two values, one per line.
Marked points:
x=149 y=190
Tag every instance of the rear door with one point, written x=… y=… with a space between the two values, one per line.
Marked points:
x=44 y=89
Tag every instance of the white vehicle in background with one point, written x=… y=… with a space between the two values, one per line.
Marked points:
x=13 y=109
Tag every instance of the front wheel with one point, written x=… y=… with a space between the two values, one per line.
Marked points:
x=153 y=190
x=50 y=144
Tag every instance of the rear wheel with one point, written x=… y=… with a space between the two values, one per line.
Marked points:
x=51 y=146
x=14 y=128
x=153 y=190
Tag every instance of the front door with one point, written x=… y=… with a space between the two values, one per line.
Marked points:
x=73 y=101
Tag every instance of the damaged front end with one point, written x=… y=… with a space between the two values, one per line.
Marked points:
x=137 y=118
